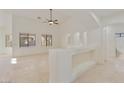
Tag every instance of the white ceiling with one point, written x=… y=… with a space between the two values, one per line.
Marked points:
x=33 y=13
x=108 y=12
x=82 y=15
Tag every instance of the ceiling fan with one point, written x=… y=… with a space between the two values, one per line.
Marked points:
x=50 y=21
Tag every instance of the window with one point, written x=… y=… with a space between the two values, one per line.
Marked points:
x=8 y=40
x=118 y=35
x=43 y=40
x=46 y=40
x=27 y=39
x=122 y=34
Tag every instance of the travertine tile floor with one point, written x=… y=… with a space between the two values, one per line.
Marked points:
x=109 y=72
x=28 y=69
x=35 y=69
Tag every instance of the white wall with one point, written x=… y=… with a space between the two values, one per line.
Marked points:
x=2 y=41
x=102 y=37
x=119 y=28
x=27 y=25
x=109 y=47
x=116 y=25
x=5 y=29
x=74 y=26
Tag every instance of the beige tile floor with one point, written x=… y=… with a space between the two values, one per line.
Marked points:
x=109 y=72
x=35 y=69
x=28 y=69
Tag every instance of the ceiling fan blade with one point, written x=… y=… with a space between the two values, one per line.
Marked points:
x=45 y=22
x=39 y=17
x=56 y=23
x=55 y=20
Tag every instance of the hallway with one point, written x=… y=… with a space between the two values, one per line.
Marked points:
x=109 y=72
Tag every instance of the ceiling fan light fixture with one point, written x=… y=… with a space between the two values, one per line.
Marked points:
x=51 y=22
